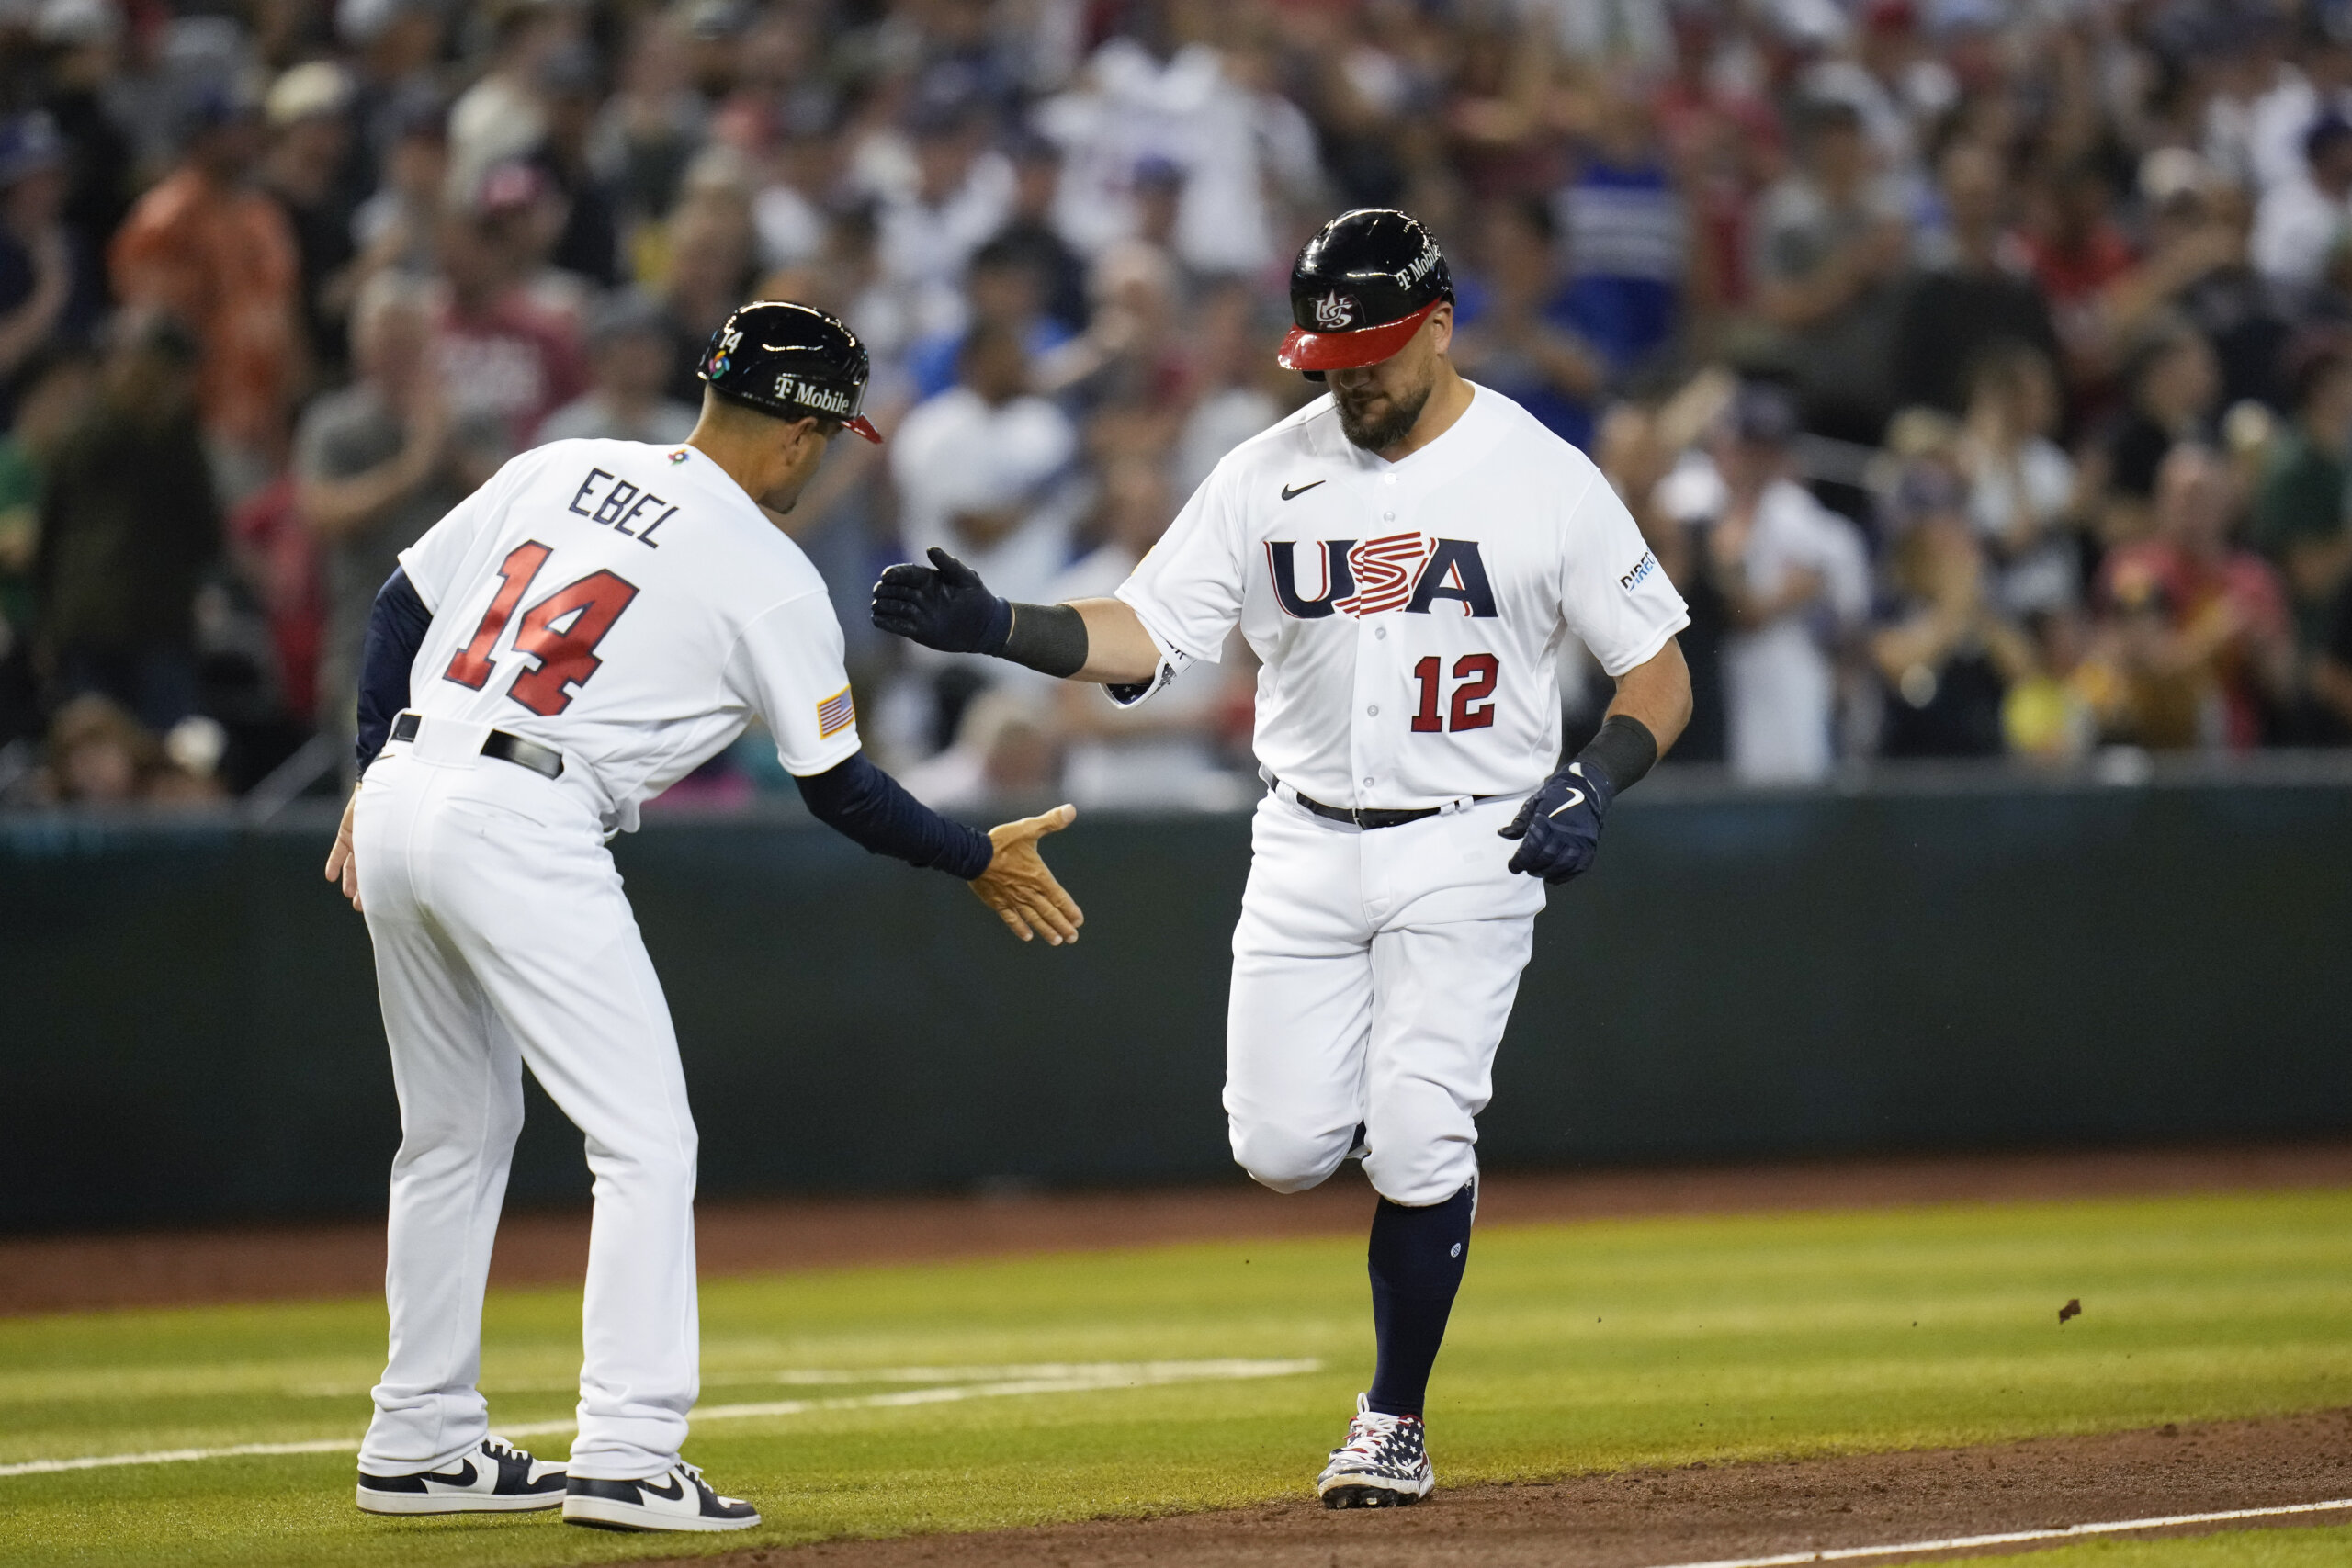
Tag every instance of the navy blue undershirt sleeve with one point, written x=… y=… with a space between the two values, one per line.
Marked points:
x=867 y=806
x=396 y=627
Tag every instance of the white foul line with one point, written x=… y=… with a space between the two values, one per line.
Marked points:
x=2013 y=1538
x=1063 y=1378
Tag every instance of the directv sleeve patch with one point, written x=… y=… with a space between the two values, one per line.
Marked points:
x=1641 y=569
x=835 y=714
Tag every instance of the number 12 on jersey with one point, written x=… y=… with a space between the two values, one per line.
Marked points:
x=1471 y=709
x=566 y=657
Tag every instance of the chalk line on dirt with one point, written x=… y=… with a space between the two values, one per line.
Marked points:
x=1056 y=1378
x=2013 y=1538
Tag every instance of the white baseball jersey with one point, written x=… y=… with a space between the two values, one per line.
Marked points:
x=629 y=606
x=1407 y=613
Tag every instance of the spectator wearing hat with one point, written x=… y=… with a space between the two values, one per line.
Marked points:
x=377 y=464
x=130 y=524
x=2301 y=218
x=44 y=294
x=503 y=357
x=208 y=248
x=308 y=110
x=630 y=355
x=1794 y=579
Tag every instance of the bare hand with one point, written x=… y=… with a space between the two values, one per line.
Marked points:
x=1018 y=887
x=342 y=869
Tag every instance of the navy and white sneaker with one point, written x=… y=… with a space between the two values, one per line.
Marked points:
x=677 y=1499
x=497 y=1478
x=1383 y=1463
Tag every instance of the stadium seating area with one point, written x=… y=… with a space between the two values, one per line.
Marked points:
x=1980 y=369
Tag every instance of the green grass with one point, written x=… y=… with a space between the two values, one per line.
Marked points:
x=2326 y=1547
x=1575 y=1348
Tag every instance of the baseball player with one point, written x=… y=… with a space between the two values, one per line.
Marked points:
x=584 y=630
x=1404 y=555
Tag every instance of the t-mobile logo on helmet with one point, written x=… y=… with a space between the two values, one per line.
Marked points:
x=826 y=399
x=1400 y=572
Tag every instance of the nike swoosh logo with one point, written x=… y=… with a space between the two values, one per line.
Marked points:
x=1576 y=799
x=1293 y=492
x=464 y=1476
x=677 y=1488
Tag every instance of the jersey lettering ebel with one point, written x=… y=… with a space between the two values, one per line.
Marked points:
x=1407 y=617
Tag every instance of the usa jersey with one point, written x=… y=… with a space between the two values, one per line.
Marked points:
x=1409 y=614
x=630 y=606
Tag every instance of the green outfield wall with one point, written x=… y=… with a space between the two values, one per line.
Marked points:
x=188 y=1026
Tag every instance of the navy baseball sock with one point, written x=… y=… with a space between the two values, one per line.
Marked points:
x=1418 y=1256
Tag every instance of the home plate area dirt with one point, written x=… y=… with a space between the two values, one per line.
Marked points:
x=1646 y=1518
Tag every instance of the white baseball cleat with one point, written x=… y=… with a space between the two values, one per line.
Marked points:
x=1383 y=1463
x=677 y=1499
x=496 y=1478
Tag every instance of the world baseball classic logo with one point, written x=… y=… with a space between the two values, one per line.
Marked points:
x=1411 y=572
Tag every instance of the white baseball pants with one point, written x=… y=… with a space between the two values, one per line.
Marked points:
x=1373 y=975
x=502 y=938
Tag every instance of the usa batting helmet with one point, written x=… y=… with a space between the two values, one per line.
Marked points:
x=791 y=361
x=1360 y=289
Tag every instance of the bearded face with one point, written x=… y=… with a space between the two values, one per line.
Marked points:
x=1379 y=404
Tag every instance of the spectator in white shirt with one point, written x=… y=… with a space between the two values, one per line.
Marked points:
x=2300 y=219
x=1794 y=580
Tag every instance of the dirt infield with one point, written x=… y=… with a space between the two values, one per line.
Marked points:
x=347 y=1258
x=1644 y=1517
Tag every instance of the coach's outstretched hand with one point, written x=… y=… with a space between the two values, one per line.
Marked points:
x=1019 y=887
x=342 y=870
x=1559 y=828
x=942 y=605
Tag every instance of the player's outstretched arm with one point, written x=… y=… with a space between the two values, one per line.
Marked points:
x=1019 y=886
x=863 y=803
x=946 y=606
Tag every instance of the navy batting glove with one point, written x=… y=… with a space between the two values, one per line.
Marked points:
x=1559 y=828
x=942 y=605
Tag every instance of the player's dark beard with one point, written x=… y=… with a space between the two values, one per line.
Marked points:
x=1379 y=434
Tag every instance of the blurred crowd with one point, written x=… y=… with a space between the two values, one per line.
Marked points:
x=1980 y=369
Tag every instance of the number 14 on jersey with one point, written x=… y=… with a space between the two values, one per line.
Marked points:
x=566 y=655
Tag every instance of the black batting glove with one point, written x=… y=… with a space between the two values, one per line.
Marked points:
x=942 y=605
x=1559 y=828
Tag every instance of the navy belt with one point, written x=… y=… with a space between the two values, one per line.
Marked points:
x=1366 y=817
x=545 y=761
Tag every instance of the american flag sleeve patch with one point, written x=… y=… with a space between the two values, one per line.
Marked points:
x=835 y=714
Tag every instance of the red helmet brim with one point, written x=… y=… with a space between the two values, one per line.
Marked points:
x=1303 y=350
x=865 y=426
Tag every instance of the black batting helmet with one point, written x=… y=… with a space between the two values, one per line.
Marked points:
x=792 y=361
x=1360 y=289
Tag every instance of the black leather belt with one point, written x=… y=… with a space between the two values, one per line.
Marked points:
x=1366 y=818
x=545 y=761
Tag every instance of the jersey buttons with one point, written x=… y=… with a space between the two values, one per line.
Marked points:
x=1373 y=711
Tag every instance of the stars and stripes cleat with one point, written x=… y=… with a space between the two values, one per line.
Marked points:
x=677 y=1499
x=1383 y=1463
x=496 y=1478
